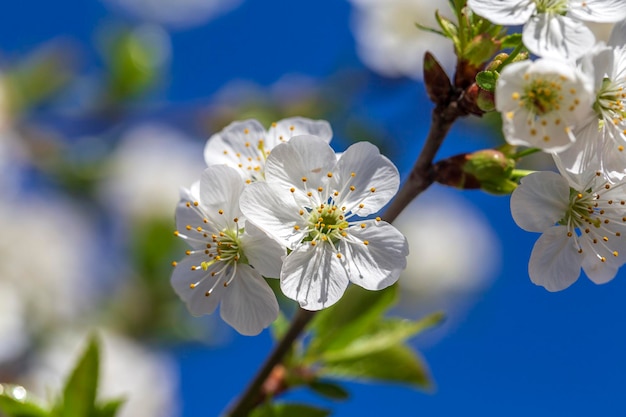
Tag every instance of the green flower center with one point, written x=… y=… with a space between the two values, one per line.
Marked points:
x=327 y=223
x=226 y=247
x=551 y=6
x=610 y=101
x=581 y=210
x=541 y=96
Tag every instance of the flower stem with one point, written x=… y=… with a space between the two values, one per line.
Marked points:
x=420 y=178
x=252 y=395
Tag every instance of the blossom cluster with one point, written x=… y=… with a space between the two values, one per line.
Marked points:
x=569 y=102
x=280 y=203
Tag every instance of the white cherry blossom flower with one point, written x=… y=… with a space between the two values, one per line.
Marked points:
x=582 y=218
x=390 y=44
x=542 y=102
x=315 y=205
x=603 y=132
x=245 y=145
x=228 y=255
x=552 y=28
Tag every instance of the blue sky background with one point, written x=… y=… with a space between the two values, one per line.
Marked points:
x=519 y=351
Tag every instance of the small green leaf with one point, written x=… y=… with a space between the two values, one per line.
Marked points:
x=487 y=80
x=396 y=364
x=288 y=410
x=388 y=333
x=329 y=389
x=357 y=310
x=447 y=26
x=109 y=408
x=79 y=394
x=13 y=407
x=511 y=41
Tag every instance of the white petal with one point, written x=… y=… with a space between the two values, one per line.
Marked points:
x=302 y=157
x=378 y=264
x=597 y=10
x=313 y=276
x=372 y=171
x=582 y=155
x=249 y=305
x=197 y=302
x=285 y=129
x=220 y=188
x=553 y=36
x=618 y=34
x=274 y=210
x=554 y=262
x=540 y=201
x=503 y=12
x=223 y=147
x=263 y=253
x=596 y=270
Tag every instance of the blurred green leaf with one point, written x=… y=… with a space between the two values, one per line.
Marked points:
x=511 y=41
x=396 y=364
x=329 y=389
x=288 y=410
x=386 y=334
x=79 y=394
x=108 y=408
x=280 y=326
x=13 y=407
x=358 y=310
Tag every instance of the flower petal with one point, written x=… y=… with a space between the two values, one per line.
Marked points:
x=314 y=276
x=220 y=188
x=285 y=129
x=303 y=157
x=540 y=201
x=273 y=209
x=550 y=35
x=195 y=298
x=554 y=262
x=249 y=305
x=263 y=253
x=377 y=264
x=596 y=270
x=597 y=10
x=374 y=177
x=503 y=12
x=224 y=147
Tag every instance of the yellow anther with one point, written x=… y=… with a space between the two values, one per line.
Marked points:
x=220 y=211
x=366 y=242
x=174 y=263
x=329 y=175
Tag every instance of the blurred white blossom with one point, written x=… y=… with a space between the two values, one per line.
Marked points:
x=388 y=40
x=45 y=248
x=455 y=254
x=147 y=380
x=147 y=169
x=175 y=13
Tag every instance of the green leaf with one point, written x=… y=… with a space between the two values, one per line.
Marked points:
x=109 y=408
x=79 y=394
x=288 y=410
x=388 y=333
x=14 y=407
x=329 y=389
x=358 y=310
x=280 y=326
x=487 y=80
x=397 y=364
x=511 y=41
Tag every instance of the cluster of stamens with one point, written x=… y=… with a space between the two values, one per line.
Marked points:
x=593 y=216
x=610 y=102
x=544 y=99
x=328 y=221
x=255 y=153
x=552 y=6
x=220 y=245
